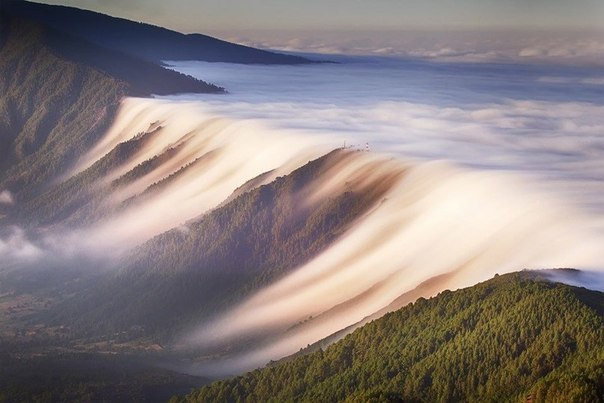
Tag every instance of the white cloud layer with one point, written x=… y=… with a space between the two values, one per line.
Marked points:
x=438 y=220
x=491 y=117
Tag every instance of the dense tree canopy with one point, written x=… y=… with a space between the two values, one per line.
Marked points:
x=58 y=95
x=509 y=339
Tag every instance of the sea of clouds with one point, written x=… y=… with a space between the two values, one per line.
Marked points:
x=528 y=136
x=543 y=121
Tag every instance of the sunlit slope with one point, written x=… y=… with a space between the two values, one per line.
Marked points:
x=511 y=338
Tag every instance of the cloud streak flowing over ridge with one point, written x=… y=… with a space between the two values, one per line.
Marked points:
x=493 y=168
x=527 y=194
x=436 y=221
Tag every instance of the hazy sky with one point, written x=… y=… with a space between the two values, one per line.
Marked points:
x=238 y=15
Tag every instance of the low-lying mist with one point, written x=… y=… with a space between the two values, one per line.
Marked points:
x=207 y=158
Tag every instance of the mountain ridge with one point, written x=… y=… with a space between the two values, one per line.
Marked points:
x=511 y=338
x=184 y=265
x=143 y=40
x=60 y=94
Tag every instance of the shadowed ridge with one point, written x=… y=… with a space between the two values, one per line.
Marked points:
x=146 y=41
x=144 y=78
x=51 y=109
x=59 y=95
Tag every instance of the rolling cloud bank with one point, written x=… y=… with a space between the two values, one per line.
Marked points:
x=485 y=170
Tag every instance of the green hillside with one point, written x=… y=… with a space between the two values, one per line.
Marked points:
x=513 y=338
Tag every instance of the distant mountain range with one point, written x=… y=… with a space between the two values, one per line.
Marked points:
x=142 y=40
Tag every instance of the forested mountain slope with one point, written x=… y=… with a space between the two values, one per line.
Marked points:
x=514 y=338
x=58 y=95
x=143 y=40
x=192 y=272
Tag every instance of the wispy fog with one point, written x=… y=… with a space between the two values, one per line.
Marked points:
x=6 y=197
x=437 y=220
x=16 y=247
x=593 y=280
x=215 y=156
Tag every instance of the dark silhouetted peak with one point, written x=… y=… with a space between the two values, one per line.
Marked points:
x=142 y=40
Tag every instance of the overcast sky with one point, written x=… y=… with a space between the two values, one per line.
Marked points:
x=239 y=15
